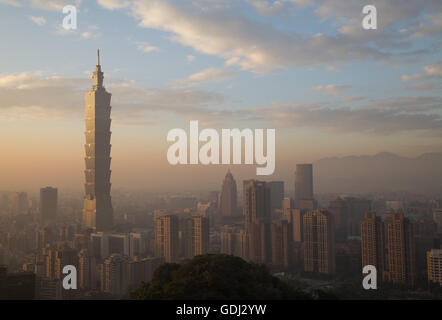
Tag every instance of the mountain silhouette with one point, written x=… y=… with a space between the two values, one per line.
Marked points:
x=383 y=172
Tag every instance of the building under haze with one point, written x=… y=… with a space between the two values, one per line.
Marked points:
x=434 y=263
x=166 y=237
x=339 y=209
x=373 y=242
x=257 y=215
x=228 y=196
x=303 y=183
x=282 y=240
x=19 y=203
x=401 y=250
x=48 y=204
x=276 y=194
x=97 y=210
x=196 y=236
x=319 y=242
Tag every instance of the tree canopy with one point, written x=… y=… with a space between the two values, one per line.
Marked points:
x=215 y=277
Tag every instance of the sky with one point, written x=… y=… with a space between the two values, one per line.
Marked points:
x=305 y=68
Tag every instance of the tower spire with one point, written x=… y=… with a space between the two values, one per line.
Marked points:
x=98 y=74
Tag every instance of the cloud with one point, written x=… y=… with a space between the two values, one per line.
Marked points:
x=222 y=28
x=423 y=86
x=210 y=74
x=191 y=58
x=147 y=48
x=113 y=4
x=14 y=3
x=245 y=42
x=54 y=5
x=331 y=89
x=332 y=68
x=33 y=96
x=86 y=35
x=38 y=20
x=431 y=72
x=377 y=118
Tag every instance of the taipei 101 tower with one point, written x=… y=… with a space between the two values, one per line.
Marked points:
x=97 y=210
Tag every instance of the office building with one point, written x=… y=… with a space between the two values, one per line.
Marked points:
x=303 y=183
x=228 y=196
x=48 y=204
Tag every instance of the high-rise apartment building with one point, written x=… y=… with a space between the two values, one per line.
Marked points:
x=196 y=236
x=228 y=196
x=319 y=242
x=87 y=274
x=434 y=265
x=282 y=240
x=48 y=204
x=401 y=250
x=294 y=217
x=97 y=210
x=257 y=215
x=114 y=275
x=64 y=256
x=166 y=237
x=235 y=243
x=373 y=242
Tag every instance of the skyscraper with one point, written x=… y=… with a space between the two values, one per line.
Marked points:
x=257 y=220
x=339 y=209
x=357 y=207
x=19 y=203
x=294 y=217
x=166 y=237
x=98 y=211
x=276 y=194
x=401 y=251
x=228 y=196
x=303 y=183
x=319 y=242
x=48 y=204
x=282 y=240
x=372 y=242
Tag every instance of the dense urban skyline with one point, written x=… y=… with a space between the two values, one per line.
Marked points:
x=358 y=180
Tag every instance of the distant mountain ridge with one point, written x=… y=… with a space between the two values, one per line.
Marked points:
x=383 y=172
